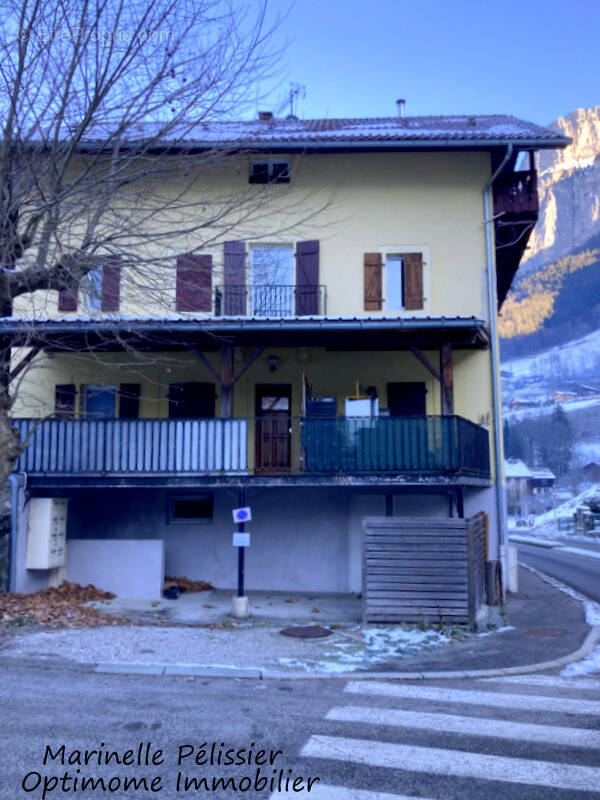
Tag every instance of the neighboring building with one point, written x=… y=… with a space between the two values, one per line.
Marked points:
x=591 y=472
x=542 y=480
x=330 y=374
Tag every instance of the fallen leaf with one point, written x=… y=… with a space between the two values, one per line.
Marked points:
x=155 y=603
x=207 y=605
x=289 y=600
x=226 y=594
x=315 y=610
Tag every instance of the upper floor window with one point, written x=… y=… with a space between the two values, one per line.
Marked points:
x=394 y=279
x=269 y=171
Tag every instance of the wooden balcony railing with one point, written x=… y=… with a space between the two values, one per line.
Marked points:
x=427 y=446
x=516 y=193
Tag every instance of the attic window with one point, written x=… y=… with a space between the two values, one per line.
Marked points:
x=269 y=172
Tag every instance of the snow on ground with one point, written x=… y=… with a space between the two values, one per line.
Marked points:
x=374 y=645
x=574 y=358
x=566 y=509
x=589 y=665
x=539 y=411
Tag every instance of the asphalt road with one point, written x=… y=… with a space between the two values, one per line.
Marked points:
x=580 y=572
x=517 y=739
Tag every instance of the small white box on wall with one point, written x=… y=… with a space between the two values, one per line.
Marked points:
x=46 y=533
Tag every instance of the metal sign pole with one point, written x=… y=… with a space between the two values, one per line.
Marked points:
x=242 y=502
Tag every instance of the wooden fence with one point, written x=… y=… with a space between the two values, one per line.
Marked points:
x=417 y=569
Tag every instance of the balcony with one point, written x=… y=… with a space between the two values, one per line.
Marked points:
x=270 y=300
x=396 y=447
x=516 y=193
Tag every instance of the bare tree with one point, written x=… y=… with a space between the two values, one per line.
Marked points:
x=107 y=109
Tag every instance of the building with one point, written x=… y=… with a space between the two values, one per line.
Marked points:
x=340 y=371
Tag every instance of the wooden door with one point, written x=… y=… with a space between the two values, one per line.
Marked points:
x=273 y=427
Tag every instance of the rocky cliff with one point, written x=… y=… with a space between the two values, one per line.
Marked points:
x=569 y=189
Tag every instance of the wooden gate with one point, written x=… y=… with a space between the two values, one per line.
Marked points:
x=418 y=569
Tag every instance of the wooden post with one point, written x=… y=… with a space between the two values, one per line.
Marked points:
x=226 y=381
x=447 y=385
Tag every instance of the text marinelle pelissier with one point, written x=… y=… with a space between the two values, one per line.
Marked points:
x=84 y=771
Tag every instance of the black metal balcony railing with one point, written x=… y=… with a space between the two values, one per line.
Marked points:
x=270 y=300
x=428 y=446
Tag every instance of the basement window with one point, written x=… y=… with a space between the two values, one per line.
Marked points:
x=191 y=508
x=272 y=171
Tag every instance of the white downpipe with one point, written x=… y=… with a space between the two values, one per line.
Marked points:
x=494 y=352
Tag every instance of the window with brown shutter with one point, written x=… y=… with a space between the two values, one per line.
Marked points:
x=64 y=400
x=234 y=278
x=194 y=282
x=373 y=283
x=412 y=280
x=307 y=278
x=111 y=283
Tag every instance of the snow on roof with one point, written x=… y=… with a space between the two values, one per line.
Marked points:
x=454 y=130
x=542 y=473
x=515 y=468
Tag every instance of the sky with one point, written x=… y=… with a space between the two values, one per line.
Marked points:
x=535 y=59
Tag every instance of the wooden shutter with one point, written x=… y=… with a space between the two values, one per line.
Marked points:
x=412 y=280
x=191 y=399
x=129 y=400
x=307 y=278
x=64 y=400
x=111 y=283
x=373 y=281
x=194 y=282
x=234 y=263
x=67 y=300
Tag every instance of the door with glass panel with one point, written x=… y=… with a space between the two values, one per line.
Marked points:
x=273 y=427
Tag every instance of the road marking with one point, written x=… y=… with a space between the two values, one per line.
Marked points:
x=579 y=551
x=324 y=791
x=456 y=763
x=476 y=726
x=522 y=702
x=547 y=680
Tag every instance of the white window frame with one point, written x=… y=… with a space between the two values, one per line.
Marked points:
x=399 y=250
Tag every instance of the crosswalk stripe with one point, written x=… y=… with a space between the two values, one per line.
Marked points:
x=455 y=763
x=524 y=732
x=329 y=792
x=526 y=702
x=546 y=680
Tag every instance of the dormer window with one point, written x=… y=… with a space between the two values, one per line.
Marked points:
x=270 y=171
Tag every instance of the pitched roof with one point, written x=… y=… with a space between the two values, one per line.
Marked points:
x=515 y=468
x=441 y=131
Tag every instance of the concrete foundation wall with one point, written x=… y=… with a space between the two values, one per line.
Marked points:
x=302 y=539
x=129 y=568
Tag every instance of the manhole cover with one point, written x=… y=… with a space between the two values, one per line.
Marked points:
x=545 y=631
x=307 y=632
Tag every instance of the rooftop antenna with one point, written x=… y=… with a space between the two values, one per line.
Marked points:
x=297 y=91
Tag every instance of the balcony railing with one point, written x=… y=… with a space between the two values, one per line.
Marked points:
x=516 y=193
x=270 y=300
x=412 y=446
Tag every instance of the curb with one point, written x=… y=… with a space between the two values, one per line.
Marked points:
x=256 y=673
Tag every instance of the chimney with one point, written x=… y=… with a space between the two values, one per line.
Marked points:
x=400 y=106
x=265 y=116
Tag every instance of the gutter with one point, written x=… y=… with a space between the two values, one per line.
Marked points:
x=16 y=481
x=494 y=350
x=215 y=326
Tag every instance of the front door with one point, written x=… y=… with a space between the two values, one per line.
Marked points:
x=273 y=427
x=406 y=399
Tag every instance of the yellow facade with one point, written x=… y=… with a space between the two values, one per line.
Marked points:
x=353 y=204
